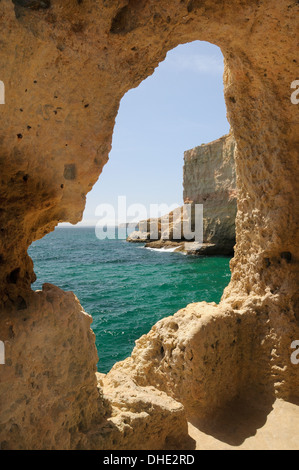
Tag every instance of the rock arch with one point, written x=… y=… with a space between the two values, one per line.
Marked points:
x=65 y=66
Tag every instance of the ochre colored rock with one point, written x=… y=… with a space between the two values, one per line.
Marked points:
x=66 y=65
x=210 y=180
x=50 y=396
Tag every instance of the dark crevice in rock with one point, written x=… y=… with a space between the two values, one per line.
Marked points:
x=33 y=4
x=193 y=5
x=125 y=20
x=13 y=277
x=119 y=22
x=21 y=303
x=70 y=171
x=286 y=255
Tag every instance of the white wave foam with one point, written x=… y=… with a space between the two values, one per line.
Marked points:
x=163 y=250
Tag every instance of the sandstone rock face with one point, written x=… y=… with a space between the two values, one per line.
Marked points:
x=48 y=384
x=50 y=397
x=210 y=180
x=65 y=66
x=203 y=355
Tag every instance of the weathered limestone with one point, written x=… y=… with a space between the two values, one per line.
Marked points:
x=48 y=385
x=203 y=356
x=210 y=180
x=50 y=397
x=65 y=67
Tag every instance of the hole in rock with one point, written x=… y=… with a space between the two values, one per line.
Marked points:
x=13 y=276
x=124 y=286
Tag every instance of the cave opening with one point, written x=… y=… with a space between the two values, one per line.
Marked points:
x=125 y=287
x=56 y=139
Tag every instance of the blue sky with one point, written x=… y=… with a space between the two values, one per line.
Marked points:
x=179 y=107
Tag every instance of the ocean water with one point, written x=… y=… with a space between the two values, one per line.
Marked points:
x=125 y=287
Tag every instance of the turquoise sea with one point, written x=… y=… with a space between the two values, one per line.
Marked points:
x=125 y=287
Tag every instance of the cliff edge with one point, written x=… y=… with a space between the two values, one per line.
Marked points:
x=210 y=180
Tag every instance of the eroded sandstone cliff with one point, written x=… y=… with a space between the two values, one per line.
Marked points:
x=66 y=65
x=209 y=180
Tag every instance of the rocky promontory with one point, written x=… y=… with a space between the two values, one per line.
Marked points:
x=210 y=180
